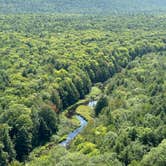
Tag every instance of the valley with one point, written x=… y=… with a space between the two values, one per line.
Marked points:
x=82 y=83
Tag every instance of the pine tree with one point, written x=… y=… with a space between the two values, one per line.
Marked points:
x=23 y=144
x=103 y=102
x=3 y=156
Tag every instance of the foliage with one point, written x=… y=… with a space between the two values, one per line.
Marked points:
x=156 y=156
x=84 y=7
x=49 y=62
x=85 y=111
x=130 y=126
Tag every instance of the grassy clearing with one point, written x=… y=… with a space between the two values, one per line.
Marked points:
x=94 y=93
x=85 y=111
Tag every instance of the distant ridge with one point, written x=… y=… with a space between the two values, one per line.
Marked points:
x=82 y=6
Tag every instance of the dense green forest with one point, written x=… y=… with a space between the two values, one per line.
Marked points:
x=54 y=59
x=129 y=126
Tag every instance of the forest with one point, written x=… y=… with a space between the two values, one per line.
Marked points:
x=129 y=121
x=53 y=63
x=97 y=7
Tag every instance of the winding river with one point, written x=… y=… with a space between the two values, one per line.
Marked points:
x=83 y=124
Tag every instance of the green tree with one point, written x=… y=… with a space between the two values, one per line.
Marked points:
x=3 y=156
x=23 y=144
x=7 y=142
x=156 y=157
x=103 y=102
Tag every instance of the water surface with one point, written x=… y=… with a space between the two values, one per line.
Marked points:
x=74 y=133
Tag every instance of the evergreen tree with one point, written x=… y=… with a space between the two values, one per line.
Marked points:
x=103 y=102
x=44 y=131
x=3 y=156
x=23 y=144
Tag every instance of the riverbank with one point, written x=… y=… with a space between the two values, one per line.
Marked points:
x=83 y=115
x=74 y=133
x=68 y=124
